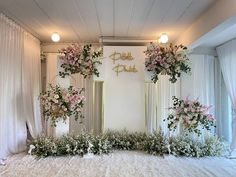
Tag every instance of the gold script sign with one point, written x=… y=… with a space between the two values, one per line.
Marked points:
x=124 y=68
x=121 y=56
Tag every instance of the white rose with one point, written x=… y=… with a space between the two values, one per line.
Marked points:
x=56 y=96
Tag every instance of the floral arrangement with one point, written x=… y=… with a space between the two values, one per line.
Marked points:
x=61 y=103
x=155 y=144
x=123 y=140
x=69 y=145
x=184 y=145
x=79 y=59
x=168 y=60
x=192 y=115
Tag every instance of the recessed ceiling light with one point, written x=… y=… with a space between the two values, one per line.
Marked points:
x=55 y=37
x=163 y=38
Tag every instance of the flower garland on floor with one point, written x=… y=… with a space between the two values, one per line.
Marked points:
x=155 y=144
x=168 y=60
x=79 y=59
x=60 y=103
x=192 y=115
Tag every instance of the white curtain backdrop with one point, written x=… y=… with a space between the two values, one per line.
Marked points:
x=93 y=105
x=51 y=78
x=200 y=84
x=158 y=98
x=92 y=108
x=223 y=106
x=31 y=77
x=78 y=81
x=227 y=58
x=13 y=94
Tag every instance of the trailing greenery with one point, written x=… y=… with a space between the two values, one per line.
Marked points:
x=155 y=144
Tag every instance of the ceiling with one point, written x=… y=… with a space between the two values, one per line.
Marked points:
x=87 y=20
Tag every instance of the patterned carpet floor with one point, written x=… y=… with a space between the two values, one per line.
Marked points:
x=118 y=164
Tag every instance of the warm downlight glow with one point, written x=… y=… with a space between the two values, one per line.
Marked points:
x=55 y=37
x=163 y=38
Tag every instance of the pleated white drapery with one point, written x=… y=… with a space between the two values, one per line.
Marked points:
x=158 y=98
x=93 y=106
x=75 y=126
x=51 y=78
x=31 y=77
x=93 y=94
x=227 y=58
x=223 y=106
x=19 y=86
x=200 y=84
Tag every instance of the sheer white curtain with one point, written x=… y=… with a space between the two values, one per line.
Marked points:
x=31 y=77
x=223 y=106
x=79 y=81
x=200 y=84
x=93 y=94
x=227 y=58
x=13 y=128
x=51 y=78
x=13 y=93
x=158 y=98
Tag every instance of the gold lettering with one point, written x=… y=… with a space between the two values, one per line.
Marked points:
x=123 y=68
x=121 y=56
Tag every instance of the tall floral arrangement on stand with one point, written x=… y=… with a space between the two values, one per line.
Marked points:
x=168 y=60
x=79 y=59
x=60 y=103
x=192 y=115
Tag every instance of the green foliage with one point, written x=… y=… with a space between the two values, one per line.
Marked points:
x=169 y=60
x=80 y=59
x=125 y=140
x=191 y=115
x=185 y=145
x=155 y=144
x=101 y=145
x=69 y=145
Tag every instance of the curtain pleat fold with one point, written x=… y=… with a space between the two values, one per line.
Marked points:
x=18 y=87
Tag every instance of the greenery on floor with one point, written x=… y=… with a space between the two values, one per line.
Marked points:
x=155 y=144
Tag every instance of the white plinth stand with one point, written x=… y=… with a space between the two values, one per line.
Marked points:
x=62 y=128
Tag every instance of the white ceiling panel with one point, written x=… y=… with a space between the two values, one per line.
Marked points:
x=87 y=20
x=105 y=17
x=123 y=15
x=141 y=12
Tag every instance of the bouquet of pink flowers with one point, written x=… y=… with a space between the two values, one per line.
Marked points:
x=192 y=115
x=169 y=60
x=79 y=59
x=61 y=103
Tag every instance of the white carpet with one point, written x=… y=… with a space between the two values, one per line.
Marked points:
x=118 y=164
